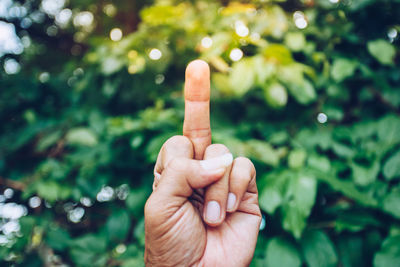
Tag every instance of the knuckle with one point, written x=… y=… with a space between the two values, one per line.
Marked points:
x=245 y=162
x=178 y=140
x=176 y=164
x=216 y=149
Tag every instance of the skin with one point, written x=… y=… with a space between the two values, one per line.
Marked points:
x=177 y=229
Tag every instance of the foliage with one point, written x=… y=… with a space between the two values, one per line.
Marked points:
x=314 y=102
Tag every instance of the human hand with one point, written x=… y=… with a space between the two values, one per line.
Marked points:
x=204 y=207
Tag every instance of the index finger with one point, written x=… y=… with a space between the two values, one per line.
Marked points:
x=196 y=125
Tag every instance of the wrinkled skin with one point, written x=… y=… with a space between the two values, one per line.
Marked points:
x=189 y=173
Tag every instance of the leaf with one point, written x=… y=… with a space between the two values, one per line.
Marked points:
x=391 y=203
x=48 y=140
x=382 y=50
x=303 y=92
x=275 y=95
x=163 y=14
x=111 y=65
x=90 y=242
x=81 y=136
x=365 y=175
x=295 y=41
x=388 y=130
x=271 y=196
x=389 y=254
x=346 y=187
x=270 y=199
x=58 y=238
x=391 y=168
x=300 y=200
x=320 y=163
x=117 y=225
x=281 y=253
x=136 y=200
x=318 y=250
x=242 y=76
x=296 y=158
x=342 y=68
x=351 y=251
x=263 y=152
x=278 y=54
x=52 y=191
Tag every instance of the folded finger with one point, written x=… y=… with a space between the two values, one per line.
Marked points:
x=175 y=147
x=241 y=178
x=215 y=197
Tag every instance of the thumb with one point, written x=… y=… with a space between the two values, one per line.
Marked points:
x=182 y=175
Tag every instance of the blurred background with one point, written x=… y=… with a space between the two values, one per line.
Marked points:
x=308 y=89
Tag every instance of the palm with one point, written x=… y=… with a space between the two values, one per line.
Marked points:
x=225 y=245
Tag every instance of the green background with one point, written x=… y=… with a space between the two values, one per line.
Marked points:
x=312 y=96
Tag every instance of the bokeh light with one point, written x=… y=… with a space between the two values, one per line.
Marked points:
x=155 y=54
x=116 y=34
x=236 y=54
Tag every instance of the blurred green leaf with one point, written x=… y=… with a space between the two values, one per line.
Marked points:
x=276 y=95
x=81 y=136
x=318 y=249
x=391 y=168
x=242 y=77
x=118 y=225
x=382 y=51
x=282 y=253
x=365 y=175
x=300 y=197
x=296 y=159
x=342 y=68
x=391 y=203
x=389 y=254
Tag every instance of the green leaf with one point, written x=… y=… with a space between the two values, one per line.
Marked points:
x=118 y=225
x=342 y=68
x=90 y=242
x=388 y=130
x=136 y=200
x=242 y=76
x=382 y=50
x=365 y=175
x=351 y=251
x=111 y=65
x=391 y=168
x=48 y=140
x=318 y=250
x=275 y=95
x=303 y=92
x=391 y=203
x=389 y=255
x=296 y=158
x=52 y=191
x=300 y=200
x=271 y=196
x=263 y=152
x=295 y=41
x=81 y=136
x=278 y=54
x=57 y=238
x=346 y=187
x=281 y=253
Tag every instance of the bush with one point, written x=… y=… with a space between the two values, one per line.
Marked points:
x=307 y=89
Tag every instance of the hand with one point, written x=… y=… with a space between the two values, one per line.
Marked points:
x=204 y=207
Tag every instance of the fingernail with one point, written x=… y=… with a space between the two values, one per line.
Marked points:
x=231 y=201
x=213 y=211
x=218 y=162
